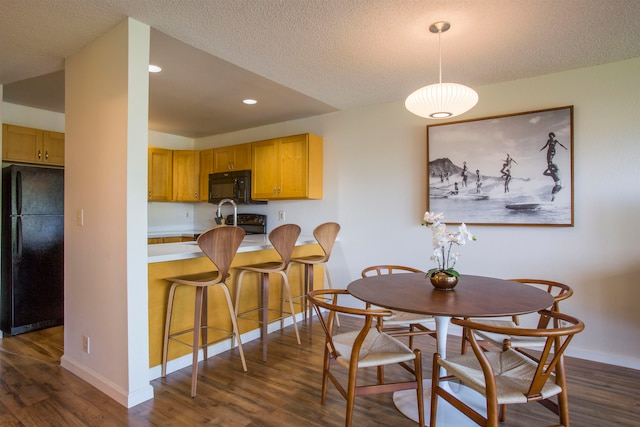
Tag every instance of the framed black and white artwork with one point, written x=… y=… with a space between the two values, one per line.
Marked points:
x=514 y=169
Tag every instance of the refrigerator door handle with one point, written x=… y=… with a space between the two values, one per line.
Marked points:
x=19 y=193
x=19 y=237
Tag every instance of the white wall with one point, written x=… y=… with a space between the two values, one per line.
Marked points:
x=375 y=187
x=32 y=117
x=106 y=293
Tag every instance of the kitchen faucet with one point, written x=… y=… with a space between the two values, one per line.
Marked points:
x=235 y=210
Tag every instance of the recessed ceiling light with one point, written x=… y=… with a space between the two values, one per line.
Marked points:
x=154 y=69
x=249 y=101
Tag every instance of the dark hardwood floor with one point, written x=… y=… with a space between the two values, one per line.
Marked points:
x=36 y=391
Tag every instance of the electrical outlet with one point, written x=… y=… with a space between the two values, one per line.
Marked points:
x=281 y=216
x=86 y=344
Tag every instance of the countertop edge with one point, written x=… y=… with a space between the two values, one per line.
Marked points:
x=165 y=252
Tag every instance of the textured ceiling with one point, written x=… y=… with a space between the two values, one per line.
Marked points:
x=307 y=57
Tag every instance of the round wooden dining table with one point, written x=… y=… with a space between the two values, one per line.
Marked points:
x=473 y=296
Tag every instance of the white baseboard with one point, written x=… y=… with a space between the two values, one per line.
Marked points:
x=124 y=397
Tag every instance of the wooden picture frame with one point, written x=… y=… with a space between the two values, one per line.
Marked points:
x=514 y=169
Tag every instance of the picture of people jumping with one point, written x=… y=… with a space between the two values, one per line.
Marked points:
x=464 y=173
x=532 y=184
x=552 y=171
x=506 y=171
x=551 y=143
x=552 y=168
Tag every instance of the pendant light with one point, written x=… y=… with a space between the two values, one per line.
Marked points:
x=441 y=100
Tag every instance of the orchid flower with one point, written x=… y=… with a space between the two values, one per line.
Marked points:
x=443 y=241
x=432 y=217
x=465 y=232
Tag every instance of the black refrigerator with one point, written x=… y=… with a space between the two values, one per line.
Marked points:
x=32 y=292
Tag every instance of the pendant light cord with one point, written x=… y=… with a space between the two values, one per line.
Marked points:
x=440 y=52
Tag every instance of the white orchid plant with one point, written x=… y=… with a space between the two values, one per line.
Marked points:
x=443 y=242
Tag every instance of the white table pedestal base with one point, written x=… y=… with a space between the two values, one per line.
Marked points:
x=448 y=416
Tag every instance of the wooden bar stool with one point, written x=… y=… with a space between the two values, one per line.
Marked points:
x=220 y=245
x=325 y=235
x=283 y=239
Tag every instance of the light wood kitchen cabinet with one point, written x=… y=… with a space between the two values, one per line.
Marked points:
x=233 y=157
x=287 y=168
x=206 y=168
x=160 y=175
x=27 y=145
x=171 y=239
x=53 y=148
x=186 y=176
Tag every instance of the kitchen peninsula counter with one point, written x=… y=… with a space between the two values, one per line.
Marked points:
x=176 y=259
x=187 y=234
x=163 y=252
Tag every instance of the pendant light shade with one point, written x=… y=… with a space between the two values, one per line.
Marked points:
x=441 y=100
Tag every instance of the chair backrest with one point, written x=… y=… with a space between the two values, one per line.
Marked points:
x=381 y=270
x=557 y=338
x=220 y=244
x=559 y=291
x=327 y=299
x=283 y=239
x=326 y=235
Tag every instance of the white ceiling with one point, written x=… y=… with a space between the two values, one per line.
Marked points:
x=300 y=58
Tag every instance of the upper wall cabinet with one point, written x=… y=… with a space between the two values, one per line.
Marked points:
x=206 y=168
x=287 y=168
x=186 y=176
x=27 y=145
x=233 y=157
x=174 y=175
x=160 y=171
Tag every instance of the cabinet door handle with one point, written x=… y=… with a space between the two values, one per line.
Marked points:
x=39 y=154
x=46 y=155
x=274 y=191
x=196 y=195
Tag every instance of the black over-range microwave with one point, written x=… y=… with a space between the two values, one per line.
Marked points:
x=234 y=185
